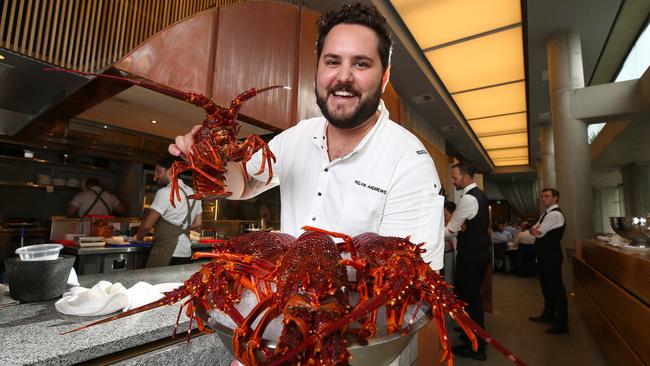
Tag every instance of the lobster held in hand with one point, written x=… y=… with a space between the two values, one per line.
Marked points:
x=216 y=141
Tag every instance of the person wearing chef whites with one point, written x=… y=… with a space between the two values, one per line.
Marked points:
x=94 y=200
x=171 y=243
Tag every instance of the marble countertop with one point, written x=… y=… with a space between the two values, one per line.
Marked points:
x=30 y=333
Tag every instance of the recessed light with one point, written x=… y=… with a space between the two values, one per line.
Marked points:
x=154 y=121
x=105 y=126
x=2 y=57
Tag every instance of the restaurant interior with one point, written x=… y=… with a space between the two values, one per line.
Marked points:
x=534 y=94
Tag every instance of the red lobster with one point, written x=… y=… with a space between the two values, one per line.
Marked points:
x=398 y=277
x=312 y=290
x=216 y=141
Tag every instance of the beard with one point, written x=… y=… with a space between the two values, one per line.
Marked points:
x=366 y=108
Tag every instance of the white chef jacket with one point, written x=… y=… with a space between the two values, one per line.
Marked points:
x=553 y=220
x=466 y=209
x=387 y=185
x=84 y=199
x=177 y=215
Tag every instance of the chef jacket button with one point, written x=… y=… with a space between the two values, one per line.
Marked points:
x=314 y=137
x=320 y=194
x=313 y=218
x=326 y=169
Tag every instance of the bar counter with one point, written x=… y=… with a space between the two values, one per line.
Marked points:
x=612 y=286
x=30 y=333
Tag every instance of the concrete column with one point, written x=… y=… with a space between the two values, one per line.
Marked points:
x=548 y=158
x=636 y=189
x=572 y=161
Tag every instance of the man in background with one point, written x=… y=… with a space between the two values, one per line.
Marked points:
x=171 y=242
x=94 y=200
x=548 y=233
x=473 y=250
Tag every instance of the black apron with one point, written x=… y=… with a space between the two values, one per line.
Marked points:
x=166 y=237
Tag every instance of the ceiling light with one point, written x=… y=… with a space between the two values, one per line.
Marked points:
x=504 y=141
x=105 y=126
x=2 y=57
x=493 y=101
x=509 y=123
x=517 y=152
x=436 y=22
x=154 y=121
x=489 y=60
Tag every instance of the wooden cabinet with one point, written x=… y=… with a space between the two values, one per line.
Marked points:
x=612 y=288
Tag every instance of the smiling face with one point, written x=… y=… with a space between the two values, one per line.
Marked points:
x=349 y=76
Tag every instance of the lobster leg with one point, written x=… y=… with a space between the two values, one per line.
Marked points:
x=256 y=262
x=176 y=168
x=240 y=339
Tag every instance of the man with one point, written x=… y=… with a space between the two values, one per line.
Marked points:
x=94 y=201
x=548 y=233
x=353 y=170
x=472 y=250
x=171 y=244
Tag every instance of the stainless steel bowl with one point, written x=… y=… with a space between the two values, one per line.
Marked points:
x=636 y=229
x=380 y=350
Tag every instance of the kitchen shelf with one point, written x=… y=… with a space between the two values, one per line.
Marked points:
x=57 y=163
x=33 y=185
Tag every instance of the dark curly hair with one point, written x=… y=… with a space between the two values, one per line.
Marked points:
x=361 y=14
x=167 y=161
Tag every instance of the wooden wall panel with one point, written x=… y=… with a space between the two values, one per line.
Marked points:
x=179 y=56
x=306 y=106
x=256 y=47
x=392 y=103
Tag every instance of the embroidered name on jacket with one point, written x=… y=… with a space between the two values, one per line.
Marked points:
x=371 y=187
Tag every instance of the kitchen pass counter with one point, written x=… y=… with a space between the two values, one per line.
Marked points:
x=30 y=333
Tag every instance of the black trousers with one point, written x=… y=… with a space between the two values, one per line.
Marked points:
x=470 y=270
x=550 y=280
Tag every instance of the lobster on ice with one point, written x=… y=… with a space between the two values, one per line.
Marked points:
x=304 y=280
x=216 y=141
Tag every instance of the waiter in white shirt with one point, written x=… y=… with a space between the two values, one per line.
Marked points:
x=548 y=232
x=171 y=244
x=470 y=223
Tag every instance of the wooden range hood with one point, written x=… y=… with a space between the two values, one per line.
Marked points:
x=224 y=51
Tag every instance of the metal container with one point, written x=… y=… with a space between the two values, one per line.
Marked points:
x=379 y=351
x=636 y=229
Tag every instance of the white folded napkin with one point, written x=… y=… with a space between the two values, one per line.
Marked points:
x=105 y=298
